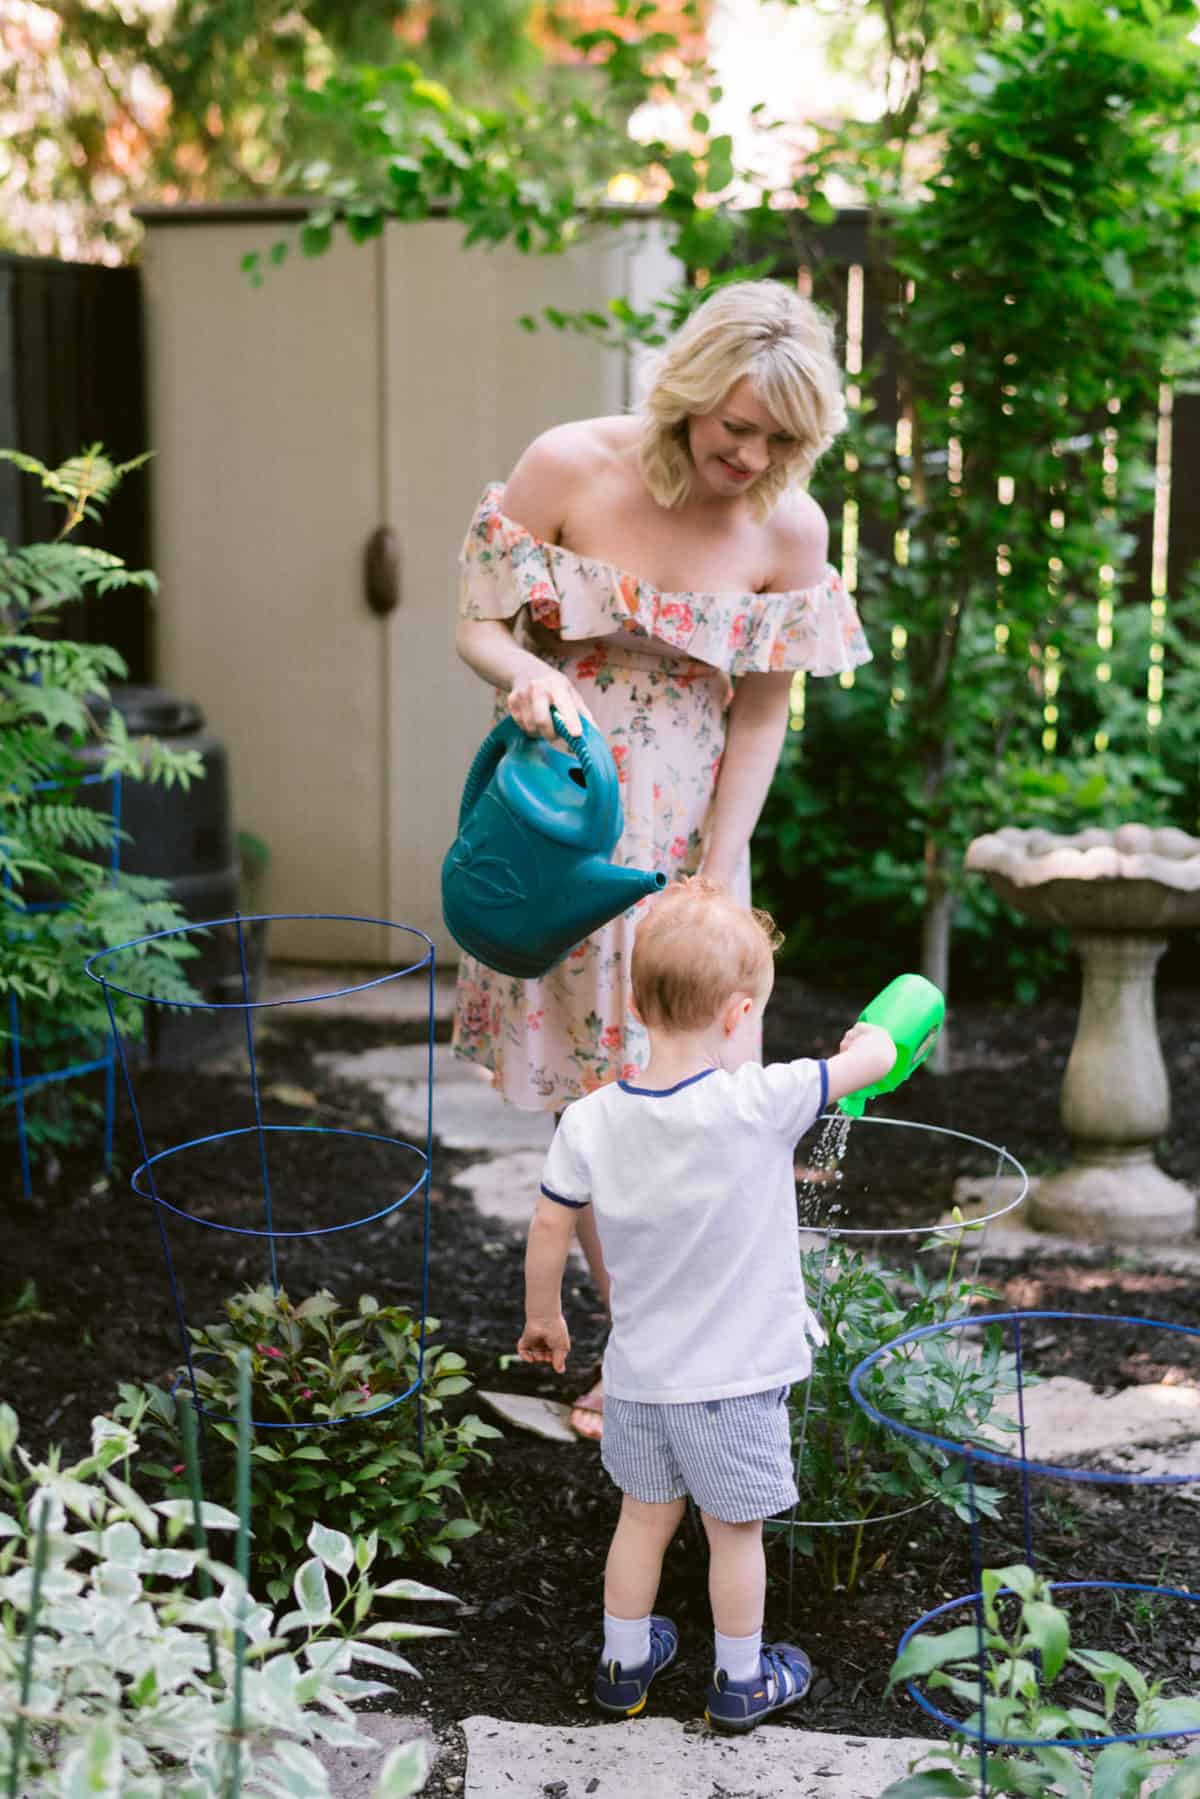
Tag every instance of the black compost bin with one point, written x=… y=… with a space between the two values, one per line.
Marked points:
x=186 y=838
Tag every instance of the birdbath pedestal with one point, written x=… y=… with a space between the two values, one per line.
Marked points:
x=1120 y=893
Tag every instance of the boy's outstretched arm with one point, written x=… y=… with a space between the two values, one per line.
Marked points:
x=545 y=1337
x=865 y=1054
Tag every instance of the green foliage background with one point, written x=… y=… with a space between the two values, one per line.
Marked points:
x=54 y=848
x=1032 y=182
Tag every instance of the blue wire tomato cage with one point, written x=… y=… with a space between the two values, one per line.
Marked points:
x=1024 y=1466
x=152 y=1171
x=18 y=1082
x=1004 y=1166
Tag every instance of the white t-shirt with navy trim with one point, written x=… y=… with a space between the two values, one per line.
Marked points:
x=694 y=1194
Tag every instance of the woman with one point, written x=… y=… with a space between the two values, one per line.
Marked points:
x=665 y=575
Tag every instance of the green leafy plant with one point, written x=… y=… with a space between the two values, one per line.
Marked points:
x=1053 y=139
x=320 y=1361
x=54 y=848
x=132 y=1667
x=1026 y=452
x=1026 y=1649
x=853 y=1474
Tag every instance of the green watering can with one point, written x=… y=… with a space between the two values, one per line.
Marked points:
x=912 y=1011
x=528 y=876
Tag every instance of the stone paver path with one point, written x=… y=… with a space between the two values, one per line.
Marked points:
x=655 y=1758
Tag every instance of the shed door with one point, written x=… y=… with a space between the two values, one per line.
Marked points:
x=466 y=390
x=267 y=484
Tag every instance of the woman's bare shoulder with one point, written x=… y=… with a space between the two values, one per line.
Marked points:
x=557 y=465
x=799 y=539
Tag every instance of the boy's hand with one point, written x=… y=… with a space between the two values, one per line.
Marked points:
x=866 y=1054
x=859 y=1031
x=545 y=1340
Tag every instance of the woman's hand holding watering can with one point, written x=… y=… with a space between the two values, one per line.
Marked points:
x=530 y=701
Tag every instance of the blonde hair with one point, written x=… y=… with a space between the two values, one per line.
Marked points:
x=784 y=344
x=695 y=947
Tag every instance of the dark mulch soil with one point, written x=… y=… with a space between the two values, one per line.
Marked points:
x=84 y=1303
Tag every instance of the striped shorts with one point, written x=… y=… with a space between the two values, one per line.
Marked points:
x=734 y=1456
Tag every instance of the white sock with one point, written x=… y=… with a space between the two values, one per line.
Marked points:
x=627 y=1640
x=740 y=1657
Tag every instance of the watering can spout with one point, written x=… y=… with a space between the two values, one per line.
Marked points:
x=616 y=889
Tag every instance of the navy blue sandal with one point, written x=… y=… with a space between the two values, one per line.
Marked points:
x=784 y=1676
x=622 y=1691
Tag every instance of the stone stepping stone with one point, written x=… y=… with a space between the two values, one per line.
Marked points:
x=1066 y=1418
x=544 y=1417
x=406 y=997
x=404 y=1062
x=354 y=1772
x=505 y=1187
x=468 y=1113
x=657 y=1758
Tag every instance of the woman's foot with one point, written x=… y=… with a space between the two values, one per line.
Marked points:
x=587 y=1414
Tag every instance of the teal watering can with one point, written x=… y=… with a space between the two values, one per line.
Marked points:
x=912 y=1011
x=528 y=876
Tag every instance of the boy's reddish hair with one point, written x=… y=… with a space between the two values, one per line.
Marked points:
x=696 y=946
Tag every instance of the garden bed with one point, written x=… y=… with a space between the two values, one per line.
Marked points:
x=85 y=1303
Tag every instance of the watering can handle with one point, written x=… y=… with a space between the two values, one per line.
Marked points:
x=578 y=746
x=483 y=767
x=492 y=749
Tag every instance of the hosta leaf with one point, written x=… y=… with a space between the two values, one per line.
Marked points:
x=312 y=1592
x=333 y=1547
x=413 y=1589
x=134 y=1504
x=404 y=1771
x=93 y=1771
x=382 y=1658
x=213 y=1517
x=401 y=1633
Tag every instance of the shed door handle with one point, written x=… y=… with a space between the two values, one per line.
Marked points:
x=381 y=571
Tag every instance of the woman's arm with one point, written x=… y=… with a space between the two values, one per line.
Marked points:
x=488 y=646
x=758 y=717
x=758 y=714
x=536 y=496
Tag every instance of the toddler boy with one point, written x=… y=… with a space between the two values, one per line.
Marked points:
x=689 y=1172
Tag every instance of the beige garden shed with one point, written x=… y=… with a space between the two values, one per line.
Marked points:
x=375 y=388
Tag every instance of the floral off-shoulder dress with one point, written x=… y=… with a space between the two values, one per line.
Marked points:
x=655 y=671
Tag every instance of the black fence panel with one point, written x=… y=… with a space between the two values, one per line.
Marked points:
x=72 y=374
x=845 y=269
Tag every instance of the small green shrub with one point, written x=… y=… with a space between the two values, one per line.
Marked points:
x=133 y=1668
x=1026 y=1648
x=54 y=849
x=318 y=1360
x=852 y=1472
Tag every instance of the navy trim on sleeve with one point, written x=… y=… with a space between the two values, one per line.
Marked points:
x=824 y=1067
x=665 y=1092
x=559 y=1199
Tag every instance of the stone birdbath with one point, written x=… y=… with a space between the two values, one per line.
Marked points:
x=1119 y=893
